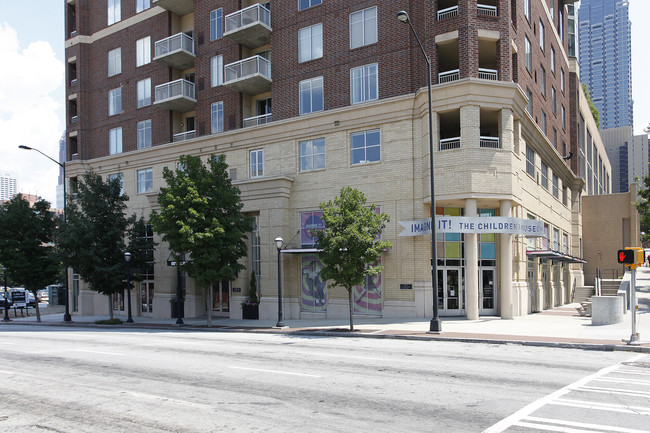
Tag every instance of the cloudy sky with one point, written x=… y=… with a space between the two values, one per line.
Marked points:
x=32 y=93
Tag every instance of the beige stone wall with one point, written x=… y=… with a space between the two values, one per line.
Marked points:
x=398 y=184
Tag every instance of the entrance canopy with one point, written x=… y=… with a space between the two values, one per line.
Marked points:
x=554 y=255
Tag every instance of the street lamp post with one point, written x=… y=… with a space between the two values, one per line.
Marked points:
x=6 y=319
x=66 y=316
x=278 y=244
x=435 y=325
x=127 y=257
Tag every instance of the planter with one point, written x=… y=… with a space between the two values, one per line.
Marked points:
x=251 y=312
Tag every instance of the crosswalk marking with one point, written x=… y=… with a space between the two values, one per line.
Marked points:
x=523 y=418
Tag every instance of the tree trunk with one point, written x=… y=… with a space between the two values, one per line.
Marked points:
x=110 y=306
x=210 y=294
x=351 y=308
x=38 y=311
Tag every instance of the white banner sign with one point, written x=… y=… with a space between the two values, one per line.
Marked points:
x=450 y=224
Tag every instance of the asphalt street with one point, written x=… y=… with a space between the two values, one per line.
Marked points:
x=91 y=380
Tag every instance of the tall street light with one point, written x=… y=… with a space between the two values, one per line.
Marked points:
x=435 y=324
x=6 y=319
x=278 y=244
x=66 y=316
x=127 y=257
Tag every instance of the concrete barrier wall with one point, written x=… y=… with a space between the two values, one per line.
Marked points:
x=606 y=310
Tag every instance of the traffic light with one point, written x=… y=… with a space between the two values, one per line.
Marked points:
x=627 y=256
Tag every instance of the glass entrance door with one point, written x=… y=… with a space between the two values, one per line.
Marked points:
x=451 y=292
x=487 y=291
x=146 y=297
x=221 y=299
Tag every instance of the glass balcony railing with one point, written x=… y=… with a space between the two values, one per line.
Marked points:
x=176 y=51
x=176 y=95
x=257 y=120
x=251 y=76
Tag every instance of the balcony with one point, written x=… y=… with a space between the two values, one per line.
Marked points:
x=179 y=7
x=489 y=142
x=183 y=136
x=176 y=51
x=251 y=76
x=488 y=74
x=487 y=10
x=257 y=120
x=176 y=96
x=448 y=13
x=250 y=27
x=447 y=76
x=449 y=143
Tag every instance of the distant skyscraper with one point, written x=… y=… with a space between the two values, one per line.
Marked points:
x=605 y=54
x=59 y=185
x=8 y=185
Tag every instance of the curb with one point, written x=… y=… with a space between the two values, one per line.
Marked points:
x=328 y=333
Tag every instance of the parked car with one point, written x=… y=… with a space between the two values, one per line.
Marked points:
x=43 y=295
x=2 y=301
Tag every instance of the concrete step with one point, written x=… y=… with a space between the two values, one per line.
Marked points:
x=583 y=293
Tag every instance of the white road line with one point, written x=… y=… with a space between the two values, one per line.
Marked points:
x=601 y=406
x=622 y=380
x=99 y=352
x=565 y=426
x=290 y=373
x=633 y=372
x=165 y=399
x=532 y=407
x=602 y=390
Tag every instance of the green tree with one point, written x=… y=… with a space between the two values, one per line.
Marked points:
x=592 y=107
x=92 y=240
x=643 y=206
x=26 y=248
x=350 y=242
x=200 y=218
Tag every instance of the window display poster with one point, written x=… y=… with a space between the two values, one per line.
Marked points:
x=367 y=296
x=313 y=290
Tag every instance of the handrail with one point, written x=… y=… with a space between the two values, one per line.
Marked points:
x=246 y=16
x=488 y=74
x=448 y=12
x=489 y=142
x=180 y=87
x=447 y=76
x=184 y=136
x=487 y=10
x=449 y=143
x=173 y=43
x=250 y=66
x=257 y=120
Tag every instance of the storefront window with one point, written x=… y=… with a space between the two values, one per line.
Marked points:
x=313 y=290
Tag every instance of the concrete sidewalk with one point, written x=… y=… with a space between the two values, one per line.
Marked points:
x=557 y=327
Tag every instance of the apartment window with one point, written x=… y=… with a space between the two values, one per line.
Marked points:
x=542 y=80
x=562 y=80
x=529 y=56
x=364 y=85
x=312 y=154
x=114 y=101
x=563 y=118
x=311 y=95
x=216 y=70
x=556 y=183
x=560 y=22
x=114 y=62
x=530 y=161
x=304 y=4
x=145 y=180
x=217 y=117
x=541 y=34
x=115 y=141
x=144 y=92
x=141 y=5
x=216 y=24
x=565 y=196
x=310 y=43
x=552 y=59
x=554 y=100
x=257 y=162
x=144 y=134
x=114 y=11
x=143 y=51
x=529 y=106
x=555 y=138
x=363 y=27
x=544 y=121
x=527 y=9
x=544 y=175
x=120 y=178
x=365 y=147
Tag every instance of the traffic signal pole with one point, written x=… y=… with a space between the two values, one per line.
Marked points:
x=634 y=338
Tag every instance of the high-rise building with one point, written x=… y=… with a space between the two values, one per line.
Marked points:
x=605 y=54
x=628 y=154
x=8 y=185
x=59 y=186
x=306 y=97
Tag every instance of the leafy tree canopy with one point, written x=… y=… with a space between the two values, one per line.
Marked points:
x=350 y=242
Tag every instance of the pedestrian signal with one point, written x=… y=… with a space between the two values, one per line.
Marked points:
x=627 y=256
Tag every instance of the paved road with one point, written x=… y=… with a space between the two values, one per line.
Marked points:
x=89 y=380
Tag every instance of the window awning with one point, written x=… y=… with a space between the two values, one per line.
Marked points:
x=555 y=255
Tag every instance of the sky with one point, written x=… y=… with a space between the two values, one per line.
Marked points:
x=32 y=91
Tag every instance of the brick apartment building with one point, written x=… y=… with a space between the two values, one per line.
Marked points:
x=306 y=96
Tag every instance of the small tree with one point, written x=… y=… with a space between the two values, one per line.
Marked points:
x=200 y=218
x=643 y=206
x=26 y=249
x=350 y=242
x=93 y=238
